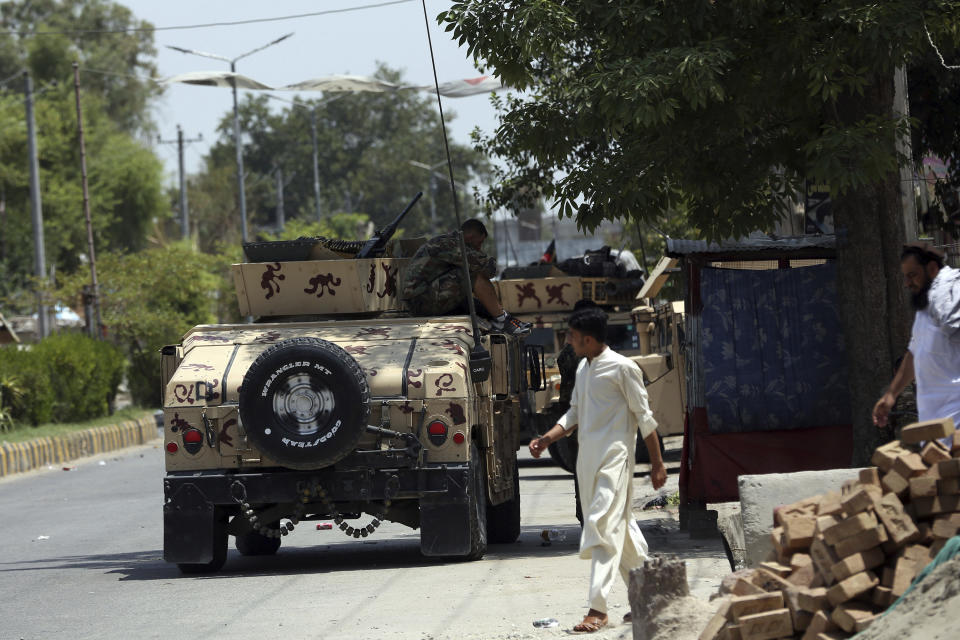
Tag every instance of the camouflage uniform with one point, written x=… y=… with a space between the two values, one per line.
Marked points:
x=433 y=284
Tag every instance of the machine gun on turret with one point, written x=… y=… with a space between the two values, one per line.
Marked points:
x=374 y=247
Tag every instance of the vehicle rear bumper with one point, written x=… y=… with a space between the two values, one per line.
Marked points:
x=284 y=485
x=196 y=504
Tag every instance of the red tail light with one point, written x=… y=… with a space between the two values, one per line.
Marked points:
x=437 y=432
x=192 y=441
x=172 y=447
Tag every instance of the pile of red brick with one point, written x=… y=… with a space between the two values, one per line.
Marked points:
x=840 y=559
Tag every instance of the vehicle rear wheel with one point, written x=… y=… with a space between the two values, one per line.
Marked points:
x=642 y=456
x=305 y=402
x=477 y=498
x=564 y=453
x=253 y=543
x=503 y=520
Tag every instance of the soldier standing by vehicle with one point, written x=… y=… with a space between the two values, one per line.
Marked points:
x=434 y=281
x=607 y=404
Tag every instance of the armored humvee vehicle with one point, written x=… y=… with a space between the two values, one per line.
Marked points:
x=337 y=404
x=651 y=337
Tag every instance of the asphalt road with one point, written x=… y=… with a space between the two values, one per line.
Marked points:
x=82 y=558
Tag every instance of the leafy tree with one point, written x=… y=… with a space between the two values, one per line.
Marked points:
x=632 y=105
x=125 y=182
x=150 y=299
x=94 y=33
x=45 y=37
x=935 y=104
x=366 y=142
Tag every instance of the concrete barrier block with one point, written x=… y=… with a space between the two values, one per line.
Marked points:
x=761 y=494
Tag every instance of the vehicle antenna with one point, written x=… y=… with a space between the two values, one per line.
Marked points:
x=479 y=357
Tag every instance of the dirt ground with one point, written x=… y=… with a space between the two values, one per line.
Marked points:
x=931 y=611
x=682 y=619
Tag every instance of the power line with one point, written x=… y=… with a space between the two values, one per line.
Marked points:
x=205 y=25
x=118 y=74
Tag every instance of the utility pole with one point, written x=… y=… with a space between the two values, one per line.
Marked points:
x=316 y=169
x=3 y=222
x=96 y=331
x=36 y=211
x=282 y=182
x=237 y=140
x=238 y=145
x=184 y=211
x=281 y=221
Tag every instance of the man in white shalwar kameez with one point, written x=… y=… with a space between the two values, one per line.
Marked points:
x=608 y=404
x=933 y=355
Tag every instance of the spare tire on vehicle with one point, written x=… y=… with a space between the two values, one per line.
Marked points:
x=305 y=402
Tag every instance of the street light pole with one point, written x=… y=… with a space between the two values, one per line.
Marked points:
x=238 y=144
x=36 y=209
x=237 y=140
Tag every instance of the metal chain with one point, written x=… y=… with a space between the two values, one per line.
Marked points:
x=361 y=532
x=298 y=511
x=284 y=528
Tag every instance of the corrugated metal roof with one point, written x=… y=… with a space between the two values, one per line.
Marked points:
x=755 y=242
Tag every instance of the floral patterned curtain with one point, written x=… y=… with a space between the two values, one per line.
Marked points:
x=772 y=349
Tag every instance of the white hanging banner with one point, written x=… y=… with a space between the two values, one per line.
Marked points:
x=342 y=83
x=467 y=87
x=338 y=83
x=217 y=79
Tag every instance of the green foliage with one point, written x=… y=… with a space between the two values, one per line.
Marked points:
x=65 y=376
x=346 y=226
x=11 y=399
x=629 y=106
x=150 y=299
x=124 y=54
x=365 y=142
x=84 y=374
x=935 y=103
x=33 y=378
x=124 y=176
x=125 y=181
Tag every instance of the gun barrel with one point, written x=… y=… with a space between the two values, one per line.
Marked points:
x=374 y=246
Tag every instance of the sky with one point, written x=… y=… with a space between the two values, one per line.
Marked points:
x=351 y=42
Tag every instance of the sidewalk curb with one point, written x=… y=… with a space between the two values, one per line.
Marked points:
x=17 y=457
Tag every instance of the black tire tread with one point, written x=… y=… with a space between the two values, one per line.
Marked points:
x=562 y=453
x=503 y=520
x=253 y=543
x=479 y=515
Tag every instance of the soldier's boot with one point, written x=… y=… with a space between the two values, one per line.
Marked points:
x=506 y=323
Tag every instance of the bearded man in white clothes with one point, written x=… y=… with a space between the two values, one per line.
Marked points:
x=608 y=404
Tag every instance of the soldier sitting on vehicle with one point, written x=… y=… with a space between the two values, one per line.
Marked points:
x=434 y=281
